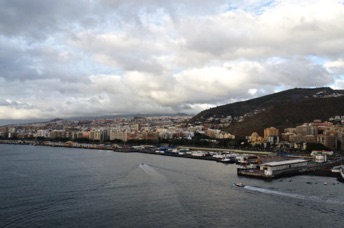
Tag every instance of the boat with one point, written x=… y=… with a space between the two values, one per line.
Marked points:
x=339 y=169
x=246 y=159
x=228 y=159
x=241 y=185
x=336 y=169
x=342 y=171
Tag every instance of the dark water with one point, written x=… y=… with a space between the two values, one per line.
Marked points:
x=59 y=187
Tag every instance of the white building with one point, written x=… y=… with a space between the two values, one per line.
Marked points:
x=273 y=168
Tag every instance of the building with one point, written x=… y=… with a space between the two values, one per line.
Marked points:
x=307 y=130
x=256 y=139
x=341 y=141
x=272 y=169
x=56 y=134
x=95 y=135
x=42 y=133
x=119 y=135
x=270 y=132
x=330 y=141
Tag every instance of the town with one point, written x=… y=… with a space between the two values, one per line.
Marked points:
x=177 y=130
x=311 y=147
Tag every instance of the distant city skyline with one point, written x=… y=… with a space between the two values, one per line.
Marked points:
x=62 y=59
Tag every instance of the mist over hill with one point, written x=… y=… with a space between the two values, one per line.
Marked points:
x=5 y=122
x=284 y=109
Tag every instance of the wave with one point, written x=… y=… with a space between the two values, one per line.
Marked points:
x=293 y=195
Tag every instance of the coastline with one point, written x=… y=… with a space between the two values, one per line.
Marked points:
x=318 y=169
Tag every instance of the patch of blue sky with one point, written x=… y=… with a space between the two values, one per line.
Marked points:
x=280 y=88
x=316 y=60
x=93 y=68
x=338 y=83
x=251 y=6
x=177 y=70
x=149 y=17
x=275 y=60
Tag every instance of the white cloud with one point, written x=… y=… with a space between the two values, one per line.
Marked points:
x=336 y=67
x=99 y=57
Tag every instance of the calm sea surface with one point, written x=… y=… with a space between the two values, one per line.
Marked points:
x=60 y=187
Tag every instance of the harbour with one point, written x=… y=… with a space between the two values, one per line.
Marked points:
x=66 y=187
x=253 y=164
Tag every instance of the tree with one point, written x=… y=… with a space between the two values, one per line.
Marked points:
x=316 y=146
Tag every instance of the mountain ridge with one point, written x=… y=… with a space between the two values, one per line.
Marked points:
x=287 y=108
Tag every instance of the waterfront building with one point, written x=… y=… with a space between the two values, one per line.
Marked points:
x=275 y=168
x=120 y=135
x=150 y=135
x=320 y=156
x=55 y=134
x=42 y=133
x=95 y=135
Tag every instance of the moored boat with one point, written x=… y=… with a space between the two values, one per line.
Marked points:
x=342 y=171
x=339 y=169
x=228 y=159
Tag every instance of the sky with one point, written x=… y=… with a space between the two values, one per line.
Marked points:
x=65 y=58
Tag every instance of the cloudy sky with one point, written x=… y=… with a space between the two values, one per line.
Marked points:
x=99 y=57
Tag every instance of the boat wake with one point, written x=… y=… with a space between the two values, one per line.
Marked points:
x=293 y=195
x=150 y=170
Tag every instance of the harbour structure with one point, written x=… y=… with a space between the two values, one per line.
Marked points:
x=237 y=151
x=275 y=169
x=321 y=155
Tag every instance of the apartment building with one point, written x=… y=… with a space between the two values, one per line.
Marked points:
x=268 y=132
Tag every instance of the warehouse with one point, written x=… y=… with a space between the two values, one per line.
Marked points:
x=275 y=168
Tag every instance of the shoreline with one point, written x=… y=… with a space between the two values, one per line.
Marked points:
x=320 y=169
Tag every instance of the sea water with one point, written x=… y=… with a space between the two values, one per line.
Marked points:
x=61 y=187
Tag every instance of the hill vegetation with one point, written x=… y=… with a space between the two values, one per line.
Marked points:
x=281 y=110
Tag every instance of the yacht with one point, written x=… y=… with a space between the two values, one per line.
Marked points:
x=230 y=158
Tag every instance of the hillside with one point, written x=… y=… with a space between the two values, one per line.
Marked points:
x=281 y=110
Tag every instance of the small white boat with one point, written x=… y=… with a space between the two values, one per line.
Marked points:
x=241 y=185
x=342 y=171
x=228 y=159
x=339 y=169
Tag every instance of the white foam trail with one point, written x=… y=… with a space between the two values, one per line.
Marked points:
x=268 y=191
x=149 y=170
x=292 y=195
